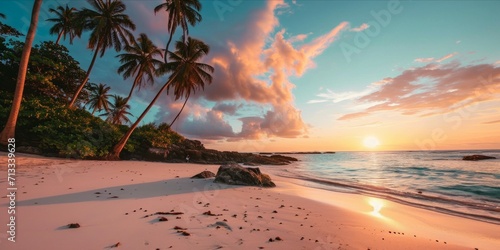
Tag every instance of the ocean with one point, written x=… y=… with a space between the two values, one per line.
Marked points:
x=435 y=180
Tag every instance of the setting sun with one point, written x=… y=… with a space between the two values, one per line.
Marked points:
x=371 y=142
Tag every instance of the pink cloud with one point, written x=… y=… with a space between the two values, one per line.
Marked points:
x=253 y=66
x=431 y=90
x=444 y=58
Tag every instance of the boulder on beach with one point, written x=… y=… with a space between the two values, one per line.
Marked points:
x=477 y=157
x=204 y=175
x=234 y=174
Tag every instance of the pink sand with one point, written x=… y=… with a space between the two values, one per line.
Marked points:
x=55 y=192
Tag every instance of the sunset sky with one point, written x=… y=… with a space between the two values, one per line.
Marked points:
x=294 y=75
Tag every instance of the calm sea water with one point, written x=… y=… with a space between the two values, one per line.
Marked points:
x=437 y=180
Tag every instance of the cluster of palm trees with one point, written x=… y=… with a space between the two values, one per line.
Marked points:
x=110 y=27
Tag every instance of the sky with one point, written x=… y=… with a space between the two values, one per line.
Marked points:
x=297 y=75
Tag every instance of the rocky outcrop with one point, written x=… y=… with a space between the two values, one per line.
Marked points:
x=234 y=174
x=477 y=157
x=204 y=175
x=199 y=154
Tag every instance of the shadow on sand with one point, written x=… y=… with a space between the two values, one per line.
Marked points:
x=133 y=191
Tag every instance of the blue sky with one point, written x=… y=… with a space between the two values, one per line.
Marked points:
x=324 y=75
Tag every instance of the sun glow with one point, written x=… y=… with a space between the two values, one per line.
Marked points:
x=371 y=142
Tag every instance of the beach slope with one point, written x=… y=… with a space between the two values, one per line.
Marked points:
x=147 y=205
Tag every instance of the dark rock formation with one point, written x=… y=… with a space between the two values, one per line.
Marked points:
x=204 y=175
x=235 y=174
x=477 y=157
x=199 y=154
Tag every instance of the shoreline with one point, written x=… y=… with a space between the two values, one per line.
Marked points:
x=57 y=192
x=351 y=189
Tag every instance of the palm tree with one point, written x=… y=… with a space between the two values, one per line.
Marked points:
x=187 y=74
x=180 y=111
x=119 y=111
x=140 y=61
x=109 y=26
x=180 y=13
x=99 y=98
x=65 y=23
x=10 y=127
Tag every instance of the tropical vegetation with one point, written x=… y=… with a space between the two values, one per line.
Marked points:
x=66 y=23
x=37 y=97
x=108 y=26
x=180 y=13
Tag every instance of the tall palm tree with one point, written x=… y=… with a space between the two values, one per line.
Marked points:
x=180 y=111
x=99 y=98
x=109 y=26
x=140 y=62
x=65 y=23
x=119 y=111
x=10 y=127
x=180 y=13
x=187 y=74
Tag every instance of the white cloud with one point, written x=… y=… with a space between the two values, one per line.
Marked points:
x=424 y=60
x=362 y=27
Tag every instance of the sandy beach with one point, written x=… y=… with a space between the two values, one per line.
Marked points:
x=119 y=205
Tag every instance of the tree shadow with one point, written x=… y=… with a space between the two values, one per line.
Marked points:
x=168 y=187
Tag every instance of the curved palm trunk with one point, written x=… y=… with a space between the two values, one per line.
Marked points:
x=10 y=127
x=59 y=37
x=168 y=45
x=136 y=80
x=86 y=79
x=178 y=114
x=117 y=149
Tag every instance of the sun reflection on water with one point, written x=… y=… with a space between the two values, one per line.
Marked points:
x=377 y=205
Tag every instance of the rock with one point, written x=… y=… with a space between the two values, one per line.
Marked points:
x=235 y=174
x=204 y=175
x=73 y=225
x=199 y=154
x=477 y=157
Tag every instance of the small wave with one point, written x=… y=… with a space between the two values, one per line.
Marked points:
x=487 y=191
x=427 y=201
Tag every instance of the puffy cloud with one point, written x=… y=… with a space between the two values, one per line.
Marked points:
x=251 y=85
x=431 y=90
x=210 y=126
x=226 y=108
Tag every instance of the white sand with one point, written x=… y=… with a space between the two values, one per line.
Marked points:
x=53 y=193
